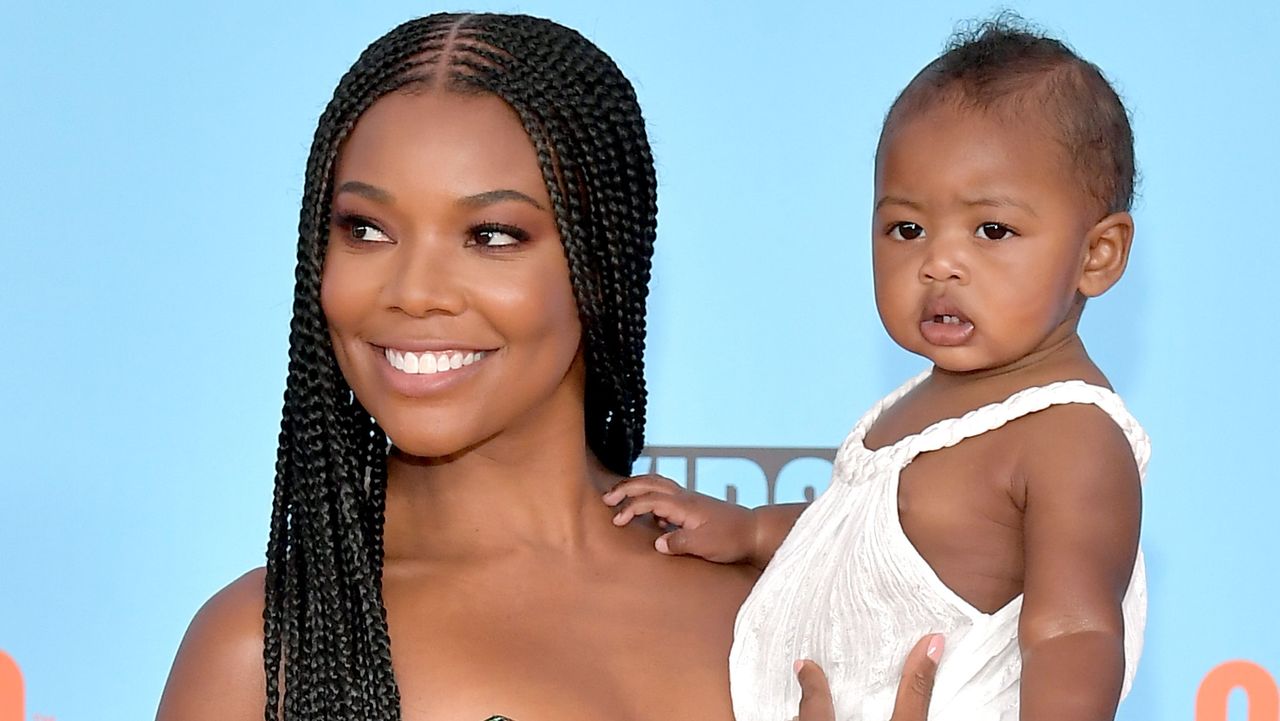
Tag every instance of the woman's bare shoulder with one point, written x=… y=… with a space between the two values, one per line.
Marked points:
x=218 y=672
x=718 y=586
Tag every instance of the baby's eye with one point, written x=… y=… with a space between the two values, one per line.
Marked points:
x=497 y=236
x=906 y=231
x=995 y=231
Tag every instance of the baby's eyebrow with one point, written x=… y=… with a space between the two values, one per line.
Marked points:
x=1000 y=201
x=894 y=200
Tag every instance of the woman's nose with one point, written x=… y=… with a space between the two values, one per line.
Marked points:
x=425 y=279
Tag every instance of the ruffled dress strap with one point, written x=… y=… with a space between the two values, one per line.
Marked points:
x=850 y=454
x=949 y=432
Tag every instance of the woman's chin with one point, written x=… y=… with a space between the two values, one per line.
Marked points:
x=415 y=449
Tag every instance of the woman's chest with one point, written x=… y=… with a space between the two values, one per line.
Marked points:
x=559 y=650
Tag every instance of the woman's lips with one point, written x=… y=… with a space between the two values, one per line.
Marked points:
x=421 y=374
x=429 y=362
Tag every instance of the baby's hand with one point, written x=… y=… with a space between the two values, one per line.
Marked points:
x=703 y=526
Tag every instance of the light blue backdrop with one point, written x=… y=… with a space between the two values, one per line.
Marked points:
x=152 y=161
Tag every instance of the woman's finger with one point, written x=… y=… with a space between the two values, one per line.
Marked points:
x=915 y=687
x=815 y=694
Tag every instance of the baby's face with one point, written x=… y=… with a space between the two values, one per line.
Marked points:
x=979 y=238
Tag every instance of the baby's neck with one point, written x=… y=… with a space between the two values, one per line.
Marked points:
x=1062 y=360
x=946 y=394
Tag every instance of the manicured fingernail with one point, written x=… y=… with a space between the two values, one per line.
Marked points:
x=797 y=666
x=661 y=545
x=617 y=519
x=934 y=652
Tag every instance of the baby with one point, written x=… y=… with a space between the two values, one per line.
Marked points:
x=995 y=498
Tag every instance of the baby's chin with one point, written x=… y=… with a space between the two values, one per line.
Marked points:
x=959 y=361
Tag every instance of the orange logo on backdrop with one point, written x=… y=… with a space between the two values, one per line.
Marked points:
x=1263 y=698
x=12 y=705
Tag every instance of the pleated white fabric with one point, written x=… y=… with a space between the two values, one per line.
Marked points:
x=848 y=589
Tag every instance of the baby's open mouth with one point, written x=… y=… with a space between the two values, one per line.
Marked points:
x=943 y=324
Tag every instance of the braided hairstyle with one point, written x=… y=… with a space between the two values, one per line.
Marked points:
x=325 y=623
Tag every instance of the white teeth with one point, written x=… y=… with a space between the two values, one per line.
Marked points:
x=428 y=363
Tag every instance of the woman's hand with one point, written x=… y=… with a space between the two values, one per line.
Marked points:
x=915 y=687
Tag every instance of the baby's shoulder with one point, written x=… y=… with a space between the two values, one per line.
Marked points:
x=1074 y=426
x=1074 y=445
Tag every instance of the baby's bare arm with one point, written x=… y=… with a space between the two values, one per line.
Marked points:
x=1083 y=508
x=703 y=526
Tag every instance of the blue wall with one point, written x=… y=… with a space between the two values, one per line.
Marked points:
x=152 y=164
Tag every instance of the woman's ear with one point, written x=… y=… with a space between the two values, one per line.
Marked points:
x=1106 y=254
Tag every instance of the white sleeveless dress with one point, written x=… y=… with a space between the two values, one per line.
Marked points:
x=847 y=588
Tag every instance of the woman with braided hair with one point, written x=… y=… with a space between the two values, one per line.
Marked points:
x=465 y=381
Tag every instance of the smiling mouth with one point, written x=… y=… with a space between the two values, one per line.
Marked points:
x=431 y=362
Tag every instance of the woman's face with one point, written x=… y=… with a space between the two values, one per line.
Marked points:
x=445 y=284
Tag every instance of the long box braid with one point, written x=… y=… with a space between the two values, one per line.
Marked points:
x=325 y=623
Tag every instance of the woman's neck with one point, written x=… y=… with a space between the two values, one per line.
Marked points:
x=536 y=487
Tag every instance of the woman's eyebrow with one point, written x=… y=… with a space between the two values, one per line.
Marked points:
x=489 y=197
x=364 y=190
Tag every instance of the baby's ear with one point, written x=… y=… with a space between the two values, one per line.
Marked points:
x=1106 y=254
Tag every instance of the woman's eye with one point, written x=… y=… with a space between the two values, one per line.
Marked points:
x=906 y=231
x=995 y=231
x=497 y=236
x=368 y=233
x=361 y=230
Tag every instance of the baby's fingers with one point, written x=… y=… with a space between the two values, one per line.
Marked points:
x=639 y=486
x=665 y=507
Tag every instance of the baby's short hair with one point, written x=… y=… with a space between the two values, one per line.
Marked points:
x=1003 y=65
